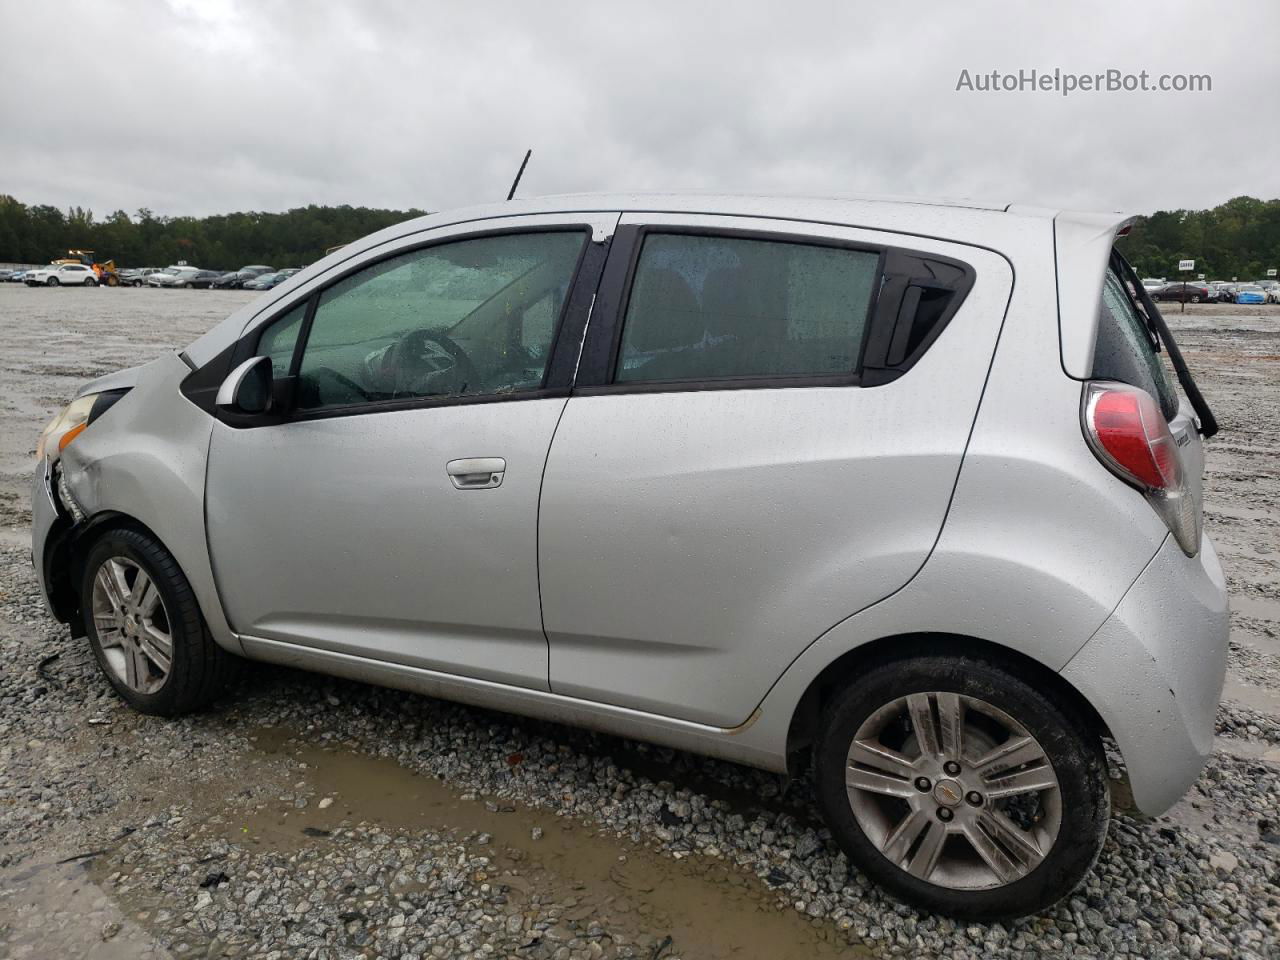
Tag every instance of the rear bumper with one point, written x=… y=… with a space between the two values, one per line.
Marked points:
x=1154 y=672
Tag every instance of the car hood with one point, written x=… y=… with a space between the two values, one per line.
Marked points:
x=120 y=380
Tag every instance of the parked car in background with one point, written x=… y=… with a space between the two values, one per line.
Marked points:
x=136 y=276
x=944 y=639
x=256 y=269
x=61 y=274
x=235 y=279
x=1153 y=283
x=1251 y=293
x=1180 y=291
x=6 y=274
x=264 y=282
x=1272 y=289
x=171 y=276
x=17 y=276
x=200 y=280
x=228 y=280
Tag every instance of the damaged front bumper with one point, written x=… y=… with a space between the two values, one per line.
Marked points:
x=53 y=526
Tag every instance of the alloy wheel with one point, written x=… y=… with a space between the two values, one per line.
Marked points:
x=132 y=625
x=953 y=790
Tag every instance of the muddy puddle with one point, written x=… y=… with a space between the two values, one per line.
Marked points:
x=1263 y=699
x=57 y=910
x=708 y=908
x=1259 y=608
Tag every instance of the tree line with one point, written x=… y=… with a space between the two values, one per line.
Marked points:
x=1240 y=238
x=40 y=233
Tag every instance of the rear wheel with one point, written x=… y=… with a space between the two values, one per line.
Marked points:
x=145 y=627
x=52 y=282
x=1195 y=298
x=961 y=788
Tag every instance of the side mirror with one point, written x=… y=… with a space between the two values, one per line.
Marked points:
x=247 y=389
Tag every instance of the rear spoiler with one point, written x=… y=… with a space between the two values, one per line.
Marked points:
x=1160 y=334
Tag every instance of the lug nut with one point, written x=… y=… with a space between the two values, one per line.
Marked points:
x=923 y=784
x=974 y=797
x=951 y=767
x=945 y=814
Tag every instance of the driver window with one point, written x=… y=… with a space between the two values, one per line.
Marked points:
x=474 y=317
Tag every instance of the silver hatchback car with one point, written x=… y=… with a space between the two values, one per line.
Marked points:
x=901 y=490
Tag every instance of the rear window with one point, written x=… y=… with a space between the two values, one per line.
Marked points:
x=1124 y=350
x=723 y=307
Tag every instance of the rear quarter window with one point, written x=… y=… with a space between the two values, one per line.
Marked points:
x=1124 y=350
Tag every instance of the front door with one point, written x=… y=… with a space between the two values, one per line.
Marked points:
x=392 y=512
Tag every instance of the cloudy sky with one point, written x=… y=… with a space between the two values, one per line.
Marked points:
x=206 y=106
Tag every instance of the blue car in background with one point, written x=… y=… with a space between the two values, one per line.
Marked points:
x=1251 y=293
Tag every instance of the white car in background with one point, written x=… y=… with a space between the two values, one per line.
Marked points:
x=171 y=276
x=58 y=274
x=1152 y=283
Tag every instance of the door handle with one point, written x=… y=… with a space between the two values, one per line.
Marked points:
x=476 y=473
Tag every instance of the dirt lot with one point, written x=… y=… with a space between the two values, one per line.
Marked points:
x=311 y=817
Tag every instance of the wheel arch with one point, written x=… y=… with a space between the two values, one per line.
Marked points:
x=65 y=557
x=806 y=716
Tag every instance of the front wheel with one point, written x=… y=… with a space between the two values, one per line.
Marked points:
x=52 y=282
x=145 y=627
x=89 y=282
x=1195 y=299
x=962 y=788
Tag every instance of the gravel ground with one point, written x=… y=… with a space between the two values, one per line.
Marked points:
x=310 y=817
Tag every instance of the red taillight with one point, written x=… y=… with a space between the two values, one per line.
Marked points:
x=1132 y=435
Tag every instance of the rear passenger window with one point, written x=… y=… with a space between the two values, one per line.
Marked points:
x=711 y=308
x=1124 y=350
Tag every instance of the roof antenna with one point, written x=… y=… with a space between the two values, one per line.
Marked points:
x=516 y=182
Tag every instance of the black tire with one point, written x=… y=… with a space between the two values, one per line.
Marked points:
x=89 y=282
x=52 y=282
x=1076 y=756
x=1195 y=298
x=200 y=670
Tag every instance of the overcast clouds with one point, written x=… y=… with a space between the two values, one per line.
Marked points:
x=207 y=107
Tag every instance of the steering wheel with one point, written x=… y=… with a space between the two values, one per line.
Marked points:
x=346 y=383
x=408 y=353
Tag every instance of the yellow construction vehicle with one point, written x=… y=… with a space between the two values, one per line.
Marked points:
x=106 y=272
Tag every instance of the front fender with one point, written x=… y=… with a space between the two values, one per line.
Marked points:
x=145 y=458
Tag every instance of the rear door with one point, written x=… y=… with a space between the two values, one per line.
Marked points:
x=764 y=434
